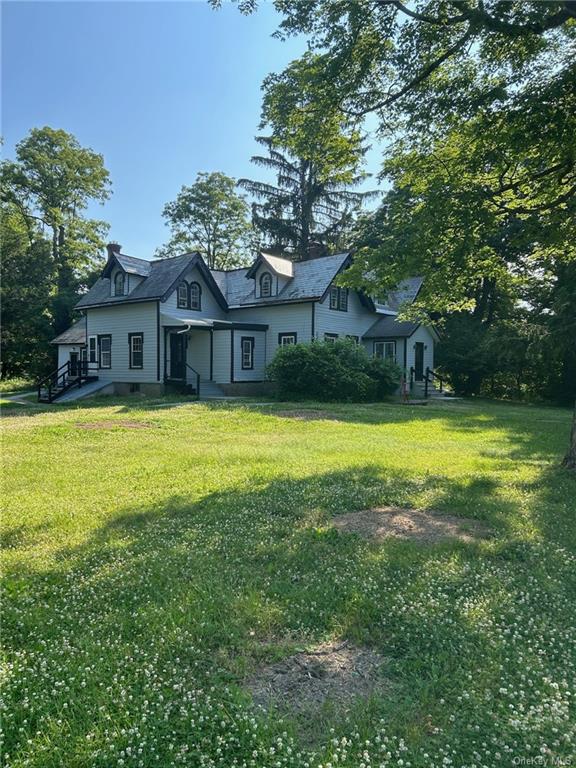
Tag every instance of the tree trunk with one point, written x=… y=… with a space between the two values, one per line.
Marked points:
x=570 y=458
x=65 y=296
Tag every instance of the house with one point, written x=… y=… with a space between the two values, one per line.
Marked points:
x=147 y=324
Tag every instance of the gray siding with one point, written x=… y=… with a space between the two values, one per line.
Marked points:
x=198 y=352
x=278 y=281
x=421 y=334
x=281 y=318
x=130 y=281
x=210 y=307
x=258 y=373
x=64 y=352
x=221 y=372
x=354 y=322
x=119 y=321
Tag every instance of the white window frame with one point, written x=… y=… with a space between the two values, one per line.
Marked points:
x=121 y=274
x=284 y=339
x=132 y=338
x=382 y=350
x=93 y=352
x=179 y=303
x=198 y=304
x=331 y=337
x=268 y=293
x=247 y=344
x=101 y=352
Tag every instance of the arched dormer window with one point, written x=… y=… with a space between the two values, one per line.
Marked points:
x=182 y=301
x=119 y=284
x=266 y=285
x=195 y=296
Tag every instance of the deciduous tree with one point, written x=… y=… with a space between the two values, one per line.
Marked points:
x=210 y=216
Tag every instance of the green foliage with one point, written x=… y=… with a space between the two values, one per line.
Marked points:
x=340 y=370
x=311 y=208
x=27 y=272
x=211 y=217
x=50 y=185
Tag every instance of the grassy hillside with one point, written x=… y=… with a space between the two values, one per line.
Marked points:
x=156 y=557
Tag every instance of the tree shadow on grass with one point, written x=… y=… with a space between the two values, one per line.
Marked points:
x=217 y=586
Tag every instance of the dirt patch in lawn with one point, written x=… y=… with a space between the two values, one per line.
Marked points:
x=428 y=527
x=114 y=424
x=335 y=673
x=307 y=415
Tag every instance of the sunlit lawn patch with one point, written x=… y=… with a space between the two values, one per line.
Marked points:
x=148 y=573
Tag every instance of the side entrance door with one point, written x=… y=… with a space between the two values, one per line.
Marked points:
x=419 y=361
x=177 y=356
x=73 y=364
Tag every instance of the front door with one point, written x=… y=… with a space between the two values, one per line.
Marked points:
x=73 y=365
x=419 y=361
x=177 y=356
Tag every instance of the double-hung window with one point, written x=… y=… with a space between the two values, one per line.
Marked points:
x=182 y=296
x=136 y=348
x=339 y=298
x=105 y=348
x=385 y=350
x=195 y=296
x=119 y=284
x=266 y=285
x=247 y=346
x=92 y=349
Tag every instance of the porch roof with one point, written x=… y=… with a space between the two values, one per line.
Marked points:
x=177 y=321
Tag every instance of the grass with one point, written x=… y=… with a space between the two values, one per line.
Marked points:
x=148 y=571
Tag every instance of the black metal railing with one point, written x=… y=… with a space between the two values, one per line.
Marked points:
x=196 y=376
x=412 y=373
x=70 y=374
x=429 y=377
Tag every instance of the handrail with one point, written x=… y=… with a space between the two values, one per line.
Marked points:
x=53 y=378
x=64 y=374
x=197 y=379
x=429 y=378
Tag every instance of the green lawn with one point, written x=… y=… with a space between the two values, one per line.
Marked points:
x=148 y=571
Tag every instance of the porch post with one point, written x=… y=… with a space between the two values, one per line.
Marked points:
x=165 y=352
x=211 y=352
x=231 y=355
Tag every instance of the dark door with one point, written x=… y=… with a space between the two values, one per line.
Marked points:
x=73 y=364
x=177 y=356
x=419 y=361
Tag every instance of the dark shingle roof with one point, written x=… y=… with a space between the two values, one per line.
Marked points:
x=76 y=334
x=310 y=281
x=133 y=265
x=405 y=293
x=388 y=327
x=162 y=275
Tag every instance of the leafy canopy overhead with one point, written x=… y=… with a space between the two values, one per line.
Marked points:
x=209 y=216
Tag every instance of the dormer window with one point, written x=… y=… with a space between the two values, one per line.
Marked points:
x=183 y=295
x=266 y=285
x=195 y=296
x=119 y=284
x=339 y=298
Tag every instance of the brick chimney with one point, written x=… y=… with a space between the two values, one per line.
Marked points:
x=113 y=248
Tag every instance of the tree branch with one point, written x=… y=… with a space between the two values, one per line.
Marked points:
x=422 y=16
x=420 y=78
x=482 y=18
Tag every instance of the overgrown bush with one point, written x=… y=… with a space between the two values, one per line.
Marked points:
x=341 y=370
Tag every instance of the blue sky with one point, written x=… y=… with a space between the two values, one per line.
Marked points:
x=162 y=89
